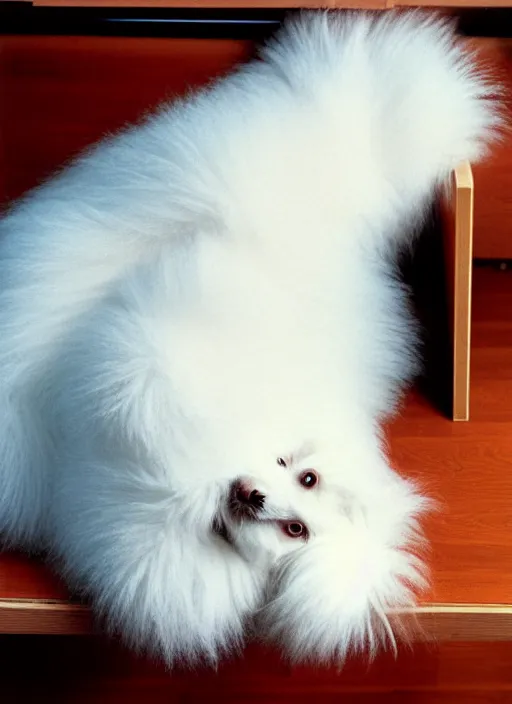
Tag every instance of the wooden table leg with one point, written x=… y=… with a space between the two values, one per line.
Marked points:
x=458 y=239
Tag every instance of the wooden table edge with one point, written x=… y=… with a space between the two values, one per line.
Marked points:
x=278 y=4
x=44 y=617
x=441 y=622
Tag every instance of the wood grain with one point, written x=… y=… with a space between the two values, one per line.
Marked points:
x=465 y=623
x=493 y=178
x=458 y=237
x=431 y=622
x=449 y=3
x=60 y=94
x=467 y=466
x=23 y=577
x=340 y=4
x=202 y=4
x=30 y=616
x=197 y=4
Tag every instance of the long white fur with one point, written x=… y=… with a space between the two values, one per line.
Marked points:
x=211 y=290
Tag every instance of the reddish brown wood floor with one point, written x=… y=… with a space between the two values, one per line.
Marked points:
x=468 y=466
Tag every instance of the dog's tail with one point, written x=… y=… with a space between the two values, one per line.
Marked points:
x=408 y=98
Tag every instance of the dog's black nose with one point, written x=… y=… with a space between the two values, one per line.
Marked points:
x=250 y=497
x=256 y=499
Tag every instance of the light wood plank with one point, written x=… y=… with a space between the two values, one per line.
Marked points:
x=37 y=616
x=458 y=238
x=341 y=4
x=440 y=622
x=466 y=623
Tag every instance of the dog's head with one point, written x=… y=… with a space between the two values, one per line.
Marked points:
x=341 y=552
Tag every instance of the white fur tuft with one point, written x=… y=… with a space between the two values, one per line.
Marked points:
x=326 y=601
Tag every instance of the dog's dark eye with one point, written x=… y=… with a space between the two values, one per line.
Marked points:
x=281 y=462
x=309 y=479
x=295 y=529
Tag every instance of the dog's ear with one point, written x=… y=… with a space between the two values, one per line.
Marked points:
x=333 y=597
x=186 y=599
x=158 y=574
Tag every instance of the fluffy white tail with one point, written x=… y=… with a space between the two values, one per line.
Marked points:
x=411 y=100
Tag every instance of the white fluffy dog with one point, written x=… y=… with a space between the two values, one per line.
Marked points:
x=201 y=330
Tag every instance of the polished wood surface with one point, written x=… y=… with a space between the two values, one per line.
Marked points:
x=340 y=4
x=22 y=577
x=431 y=623
x=467 y=466
x=493 y=178
x=57 y=618
x=458 y=249
x=289 y=4
x=58 y=94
